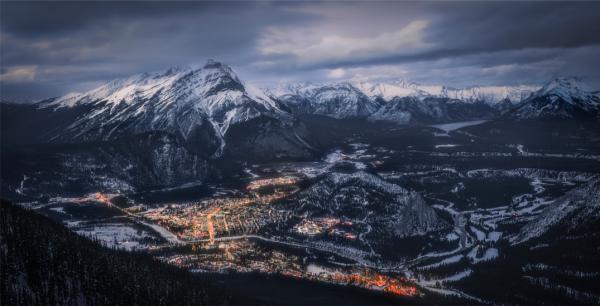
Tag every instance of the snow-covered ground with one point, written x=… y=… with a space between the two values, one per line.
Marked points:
x=449 y=145
x=445 y=261
x=338 y=156
x=488 y=254
x=453 y=278
x=115 y=235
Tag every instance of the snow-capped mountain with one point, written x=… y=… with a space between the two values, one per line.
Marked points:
x=413 y=110
x=400 y=101
x=558 y=99
x=409 y=104
x=341 y=100
x=400 y=88
x=182 y=101
x=489 y=94
x=405 y=102
x=154 y=129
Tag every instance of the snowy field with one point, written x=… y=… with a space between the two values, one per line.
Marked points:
x=118 y=236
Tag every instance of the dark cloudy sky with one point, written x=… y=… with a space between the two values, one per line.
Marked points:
x=48 y=49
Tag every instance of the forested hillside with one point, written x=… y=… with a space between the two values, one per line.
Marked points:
x=43 y=263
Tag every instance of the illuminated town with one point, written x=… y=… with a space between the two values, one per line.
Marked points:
x=219 y=232
x=247 y=256
x=228 y=216
x=330 y=226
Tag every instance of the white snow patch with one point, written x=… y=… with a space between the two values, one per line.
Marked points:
x=449 y=145
x=452 y=236
x=60 y=210
x=115 y=235
x=494 y=236
x=445 y=261
x=480 y=235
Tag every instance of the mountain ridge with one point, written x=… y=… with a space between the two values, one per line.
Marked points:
x=491 y=95
x=402 y=101
x=561 y=98
x=179 y=100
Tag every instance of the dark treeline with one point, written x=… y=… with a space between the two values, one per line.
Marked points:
x=43 y=263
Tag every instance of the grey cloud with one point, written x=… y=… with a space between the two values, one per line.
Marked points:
x=460 y=29
x=127 y=37
x=75 y=45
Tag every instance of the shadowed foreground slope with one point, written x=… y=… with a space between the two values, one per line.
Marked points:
x=43 y=263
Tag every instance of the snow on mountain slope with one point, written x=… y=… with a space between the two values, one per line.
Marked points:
x=488 y=94
x=405 y=102
x=341 y=100
x=560 y=98
x=182 y=101
x=577 y=209
x=400 y=88
x=568 y=89
x=409 y=110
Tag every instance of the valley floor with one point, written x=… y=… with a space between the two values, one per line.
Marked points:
x=484 y=190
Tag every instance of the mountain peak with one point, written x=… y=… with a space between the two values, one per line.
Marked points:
x=176 y=100
x=564 y=97
x=174 y=70
x=211 y=63
x=212 y=78
x=567 y=88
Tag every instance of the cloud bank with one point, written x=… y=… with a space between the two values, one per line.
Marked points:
x=48 y=49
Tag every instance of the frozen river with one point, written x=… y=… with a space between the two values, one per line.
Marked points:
x=448 y=127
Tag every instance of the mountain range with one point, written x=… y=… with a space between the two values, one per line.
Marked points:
x=488 y=94
x=168 y=128
x=561 y=98
x=403 y=102
x=201 y=105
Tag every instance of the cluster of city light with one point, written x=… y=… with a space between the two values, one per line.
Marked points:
x=244 y=256
x=238 y=255
x=331 y=226
x=100 y=197
x=369 y=280
x=277 y=181
x=227 y=216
